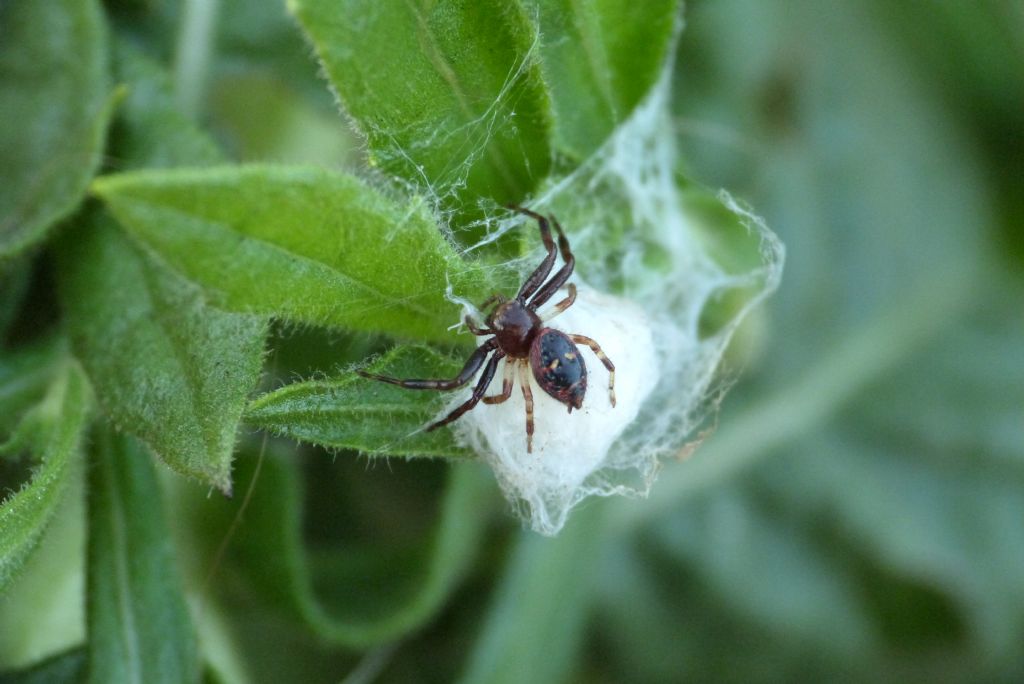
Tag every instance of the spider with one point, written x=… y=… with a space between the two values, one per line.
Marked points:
x=519 y=334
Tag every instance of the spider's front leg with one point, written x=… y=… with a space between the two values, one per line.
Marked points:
x=552 y=286
x=537 y=277
x=475 y=328
x=478 y=393
x=562 y=305
x=464 y=376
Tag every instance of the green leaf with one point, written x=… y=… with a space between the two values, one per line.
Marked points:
x=25 y=375
x=536 y=620
x=372 y=417
x=55 y=105
x=149 y=130
x=139 y=626
x=51 y=432
x=43 y=611
x=44 y=606
x=166 y=366
x=15 y=276
x=599 y=59
x=448 y=94
x=352 y=595
x=59 y=669
x=305 y=244
x=289 y=129
x=262 y=64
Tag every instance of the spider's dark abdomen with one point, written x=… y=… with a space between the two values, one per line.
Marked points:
x=558 y=367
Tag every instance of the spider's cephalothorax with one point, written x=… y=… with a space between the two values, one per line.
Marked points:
x=520 y=337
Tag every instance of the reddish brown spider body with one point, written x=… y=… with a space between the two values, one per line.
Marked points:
x=515 y=327
x=520 y=336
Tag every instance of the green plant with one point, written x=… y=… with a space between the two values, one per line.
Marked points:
x=172 y=277
x=196 y=250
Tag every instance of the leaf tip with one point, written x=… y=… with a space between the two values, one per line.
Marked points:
x=100 y=187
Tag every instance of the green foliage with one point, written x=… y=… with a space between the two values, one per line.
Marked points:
x=599 y=59
x=306 y=244
x=347 y=594
x=447 y=94
x=852 y=513
x=139 y=627
x=535 y=625
x=50 y=432
x=14 y=281
x=58 y=669
x=150 y=131
x=166 y=366
x=24 y=378
x=855 y=515
x=352 y=412
x=55 y=105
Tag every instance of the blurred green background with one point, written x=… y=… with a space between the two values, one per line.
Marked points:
x=858 y=515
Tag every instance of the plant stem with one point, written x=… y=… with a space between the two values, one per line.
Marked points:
x=192 y=54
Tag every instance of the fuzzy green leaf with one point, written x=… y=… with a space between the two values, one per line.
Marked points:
x=352 y=412
x=600 y=58
x=139 y=626
x=43 y=611
x=54 y=105
x=448 y=94
x=166 y=366
x=306 y=244
x=353 y=595
x=51 y=433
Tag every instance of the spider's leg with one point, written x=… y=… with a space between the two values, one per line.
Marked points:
x=562 y=305
x=497 y=297
x=557 y=280
x=467 y=372
x=524 y=381
x=478 y=393
x=475 y=328
x=596 y=348
x=538 y=276
x=506 y=384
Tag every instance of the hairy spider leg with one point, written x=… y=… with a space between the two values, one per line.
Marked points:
x=524 y=381
x=497 y=297
x=478 y=393
x=475 y=328
x=596 y=348
x=562 y=305
x=541 y=272
x=464 y=376
x=506 y=384
x=552 y=286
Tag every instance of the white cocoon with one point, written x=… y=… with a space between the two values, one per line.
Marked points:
x=568 y=448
